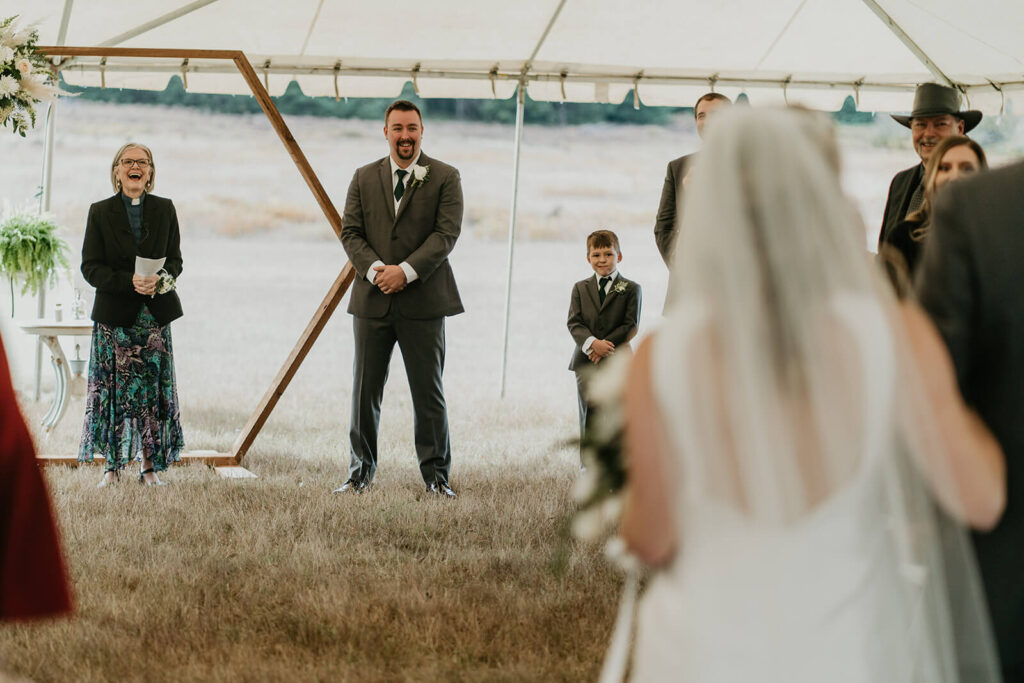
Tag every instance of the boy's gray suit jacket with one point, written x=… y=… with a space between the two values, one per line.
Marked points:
x=615 y=320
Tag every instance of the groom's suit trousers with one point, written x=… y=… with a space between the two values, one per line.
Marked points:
x=422 y=344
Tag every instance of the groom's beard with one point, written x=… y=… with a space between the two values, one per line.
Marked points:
x=405 y=152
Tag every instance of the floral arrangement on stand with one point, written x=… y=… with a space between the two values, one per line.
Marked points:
x=25 y=77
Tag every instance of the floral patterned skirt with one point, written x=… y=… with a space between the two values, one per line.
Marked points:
x=131 y=408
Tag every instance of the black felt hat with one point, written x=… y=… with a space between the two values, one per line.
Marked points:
x=932 y=99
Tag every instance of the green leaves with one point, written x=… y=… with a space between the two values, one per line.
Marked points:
x=31 y=251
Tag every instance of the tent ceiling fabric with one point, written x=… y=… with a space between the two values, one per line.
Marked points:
x=812 y=51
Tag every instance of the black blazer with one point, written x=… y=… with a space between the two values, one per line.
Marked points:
x=901 y=189
x=422 y=233
x=108 y=259
x=671 y=194
x=615 y=320
x=970 y=283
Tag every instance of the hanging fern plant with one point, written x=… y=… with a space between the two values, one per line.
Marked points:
x=31 y=252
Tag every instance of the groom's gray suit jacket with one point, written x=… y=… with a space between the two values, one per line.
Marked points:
x=423 y=233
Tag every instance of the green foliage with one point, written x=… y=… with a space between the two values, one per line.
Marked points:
x=294 y=102
x=24 y=73
x=31 y=251
x=848 y=114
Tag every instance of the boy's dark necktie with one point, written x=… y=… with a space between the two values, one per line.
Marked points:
x=600 y=288
x=400 y=185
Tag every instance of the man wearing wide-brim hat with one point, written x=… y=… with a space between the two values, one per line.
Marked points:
x=936 y=115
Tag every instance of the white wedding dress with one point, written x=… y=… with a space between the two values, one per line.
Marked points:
x=820 y=598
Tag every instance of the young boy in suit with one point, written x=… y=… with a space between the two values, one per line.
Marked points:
x=603 y=313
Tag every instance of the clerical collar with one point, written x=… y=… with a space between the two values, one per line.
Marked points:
x=133 y=201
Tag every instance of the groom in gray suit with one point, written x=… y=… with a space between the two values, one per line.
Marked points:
x=403 y=215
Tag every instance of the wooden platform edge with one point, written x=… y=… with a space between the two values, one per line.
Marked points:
x=210 y=458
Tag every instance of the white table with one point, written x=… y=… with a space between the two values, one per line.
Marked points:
x=49 y=332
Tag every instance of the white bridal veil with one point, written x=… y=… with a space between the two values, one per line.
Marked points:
x=788 y=392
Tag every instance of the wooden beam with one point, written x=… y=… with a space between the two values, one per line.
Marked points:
x=291 y=365
x=147 y=52
x=337 y=290
x=276 y=120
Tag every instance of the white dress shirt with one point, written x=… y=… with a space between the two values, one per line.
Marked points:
x=607 y=289
x=410 y=273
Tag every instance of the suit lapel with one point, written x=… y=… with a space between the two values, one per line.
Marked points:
x=389 y=189
x=122 y=228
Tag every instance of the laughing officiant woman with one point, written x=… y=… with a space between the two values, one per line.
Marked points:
x=131 y=410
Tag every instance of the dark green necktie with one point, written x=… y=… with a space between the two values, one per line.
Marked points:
x=600 y=288
x=400 y=185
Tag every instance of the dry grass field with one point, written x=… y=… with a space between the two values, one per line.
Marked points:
x=275 y=579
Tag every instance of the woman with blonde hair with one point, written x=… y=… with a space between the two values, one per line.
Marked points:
x=131 y=408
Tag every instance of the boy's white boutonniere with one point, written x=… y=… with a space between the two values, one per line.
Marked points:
x=620 y=286
x=420 y=175
x=165 y=283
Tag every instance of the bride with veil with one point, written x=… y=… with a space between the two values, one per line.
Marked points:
x=800 y=461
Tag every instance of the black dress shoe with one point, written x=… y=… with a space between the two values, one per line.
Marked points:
x=353 y=485
x=441 y=488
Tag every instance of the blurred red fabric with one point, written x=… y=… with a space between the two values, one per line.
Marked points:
x=33 y=581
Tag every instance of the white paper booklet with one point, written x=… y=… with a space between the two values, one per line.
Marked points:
x=148 y=266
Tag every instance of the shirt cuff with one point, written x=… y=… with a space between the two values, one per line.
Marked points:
x=371 y=274
x=587 y=344
x=410 y=273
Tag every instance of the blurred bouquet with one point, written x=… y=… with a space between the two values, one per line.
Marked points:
x=25 y=77
x=602 y=481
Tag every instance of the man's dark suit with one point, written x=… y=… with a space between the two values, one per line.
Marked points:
x=422 y=234
x=970 y=283
x=108 y=259
x=615 y=320
x=901 y=189
x=671 y=194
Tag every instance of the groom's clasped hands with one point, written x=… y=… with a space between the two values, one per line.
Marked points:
x=389 y=279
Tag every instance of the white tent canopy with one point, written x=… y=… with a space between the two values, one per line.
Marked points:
x=816 y=52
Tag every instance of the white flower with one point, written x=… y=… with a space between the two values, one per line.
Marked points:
x=8 y=86
x=24 y=35
x=620 y=286
x=420 y=174
x=24 y=66
x=38 y=89
x=6 y=54
x=585 y=485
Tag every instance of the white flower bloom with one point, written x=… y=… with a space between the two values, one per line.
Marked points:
x=419 y=172
x=6 y=54
x=587 y=526
x=8 y=86
x=585 y=485
x=23 y=36
x=24 y=66
x=37 y=88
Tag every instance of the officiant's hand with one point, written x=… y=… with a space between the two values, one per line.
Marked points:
x=145 y=284
x=390 y=279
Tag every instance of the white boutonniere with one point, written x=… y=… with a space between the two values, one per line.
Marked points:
x=420 y=175
x=620 y=286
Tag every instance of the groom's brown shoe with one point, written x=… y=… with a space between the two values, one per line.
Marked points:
x=441 y=488
x=353 y=485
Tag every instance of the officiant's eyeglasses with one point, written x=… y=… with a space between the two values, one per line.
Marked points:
x=142 y=163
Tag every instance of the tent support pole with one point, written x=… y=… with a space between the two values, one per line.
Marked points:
x=520 y=106
x=909 y=42
x=44 y=206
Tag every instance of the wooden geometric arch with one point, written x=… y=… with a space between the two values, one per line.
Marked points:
x=334 y=294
